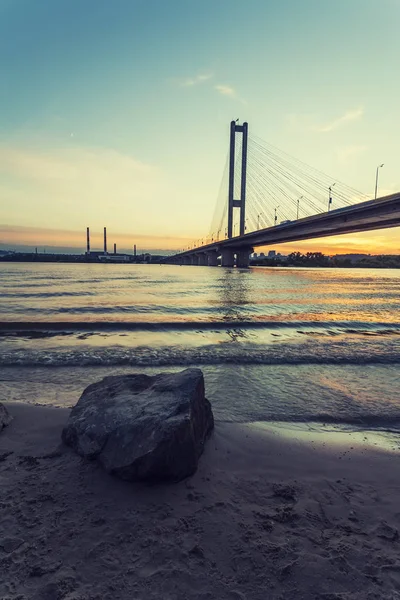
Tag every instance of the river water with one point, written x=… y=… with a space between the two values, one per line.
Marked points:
x=275 y=344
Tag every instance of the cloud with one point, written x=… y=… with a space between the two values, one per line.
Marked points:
x=348 y=152
x=225 y=90
x=230 y=92
x=350 y=115
x=198 y=79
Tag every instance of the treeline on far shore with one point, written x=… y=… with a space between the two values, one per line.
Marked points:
x=317 y=259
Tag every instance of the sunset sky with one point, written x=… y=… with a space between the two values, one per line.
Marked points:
x=117 y=112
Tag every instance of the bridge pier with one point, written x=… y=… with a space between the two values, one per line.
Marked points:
x=187 y=260
x=202 y=259
x=212 y=258
x=194 y=259
x=227 y=257
x=243 y=259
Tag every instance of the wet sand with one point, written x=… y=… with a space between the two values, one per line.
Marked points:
x=267 y=516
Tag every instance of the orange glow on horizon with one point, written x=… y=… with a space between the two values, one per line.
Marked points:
x=31 y=236
x=372 y=242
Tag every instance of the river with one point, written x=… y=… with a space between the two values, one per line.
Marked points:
x=282 y=345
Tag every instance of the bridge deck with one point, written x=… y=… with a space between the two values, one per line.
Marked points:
x=366 y=216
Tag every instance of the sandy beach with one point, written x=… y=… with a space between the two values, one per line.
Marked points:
x=264 y=517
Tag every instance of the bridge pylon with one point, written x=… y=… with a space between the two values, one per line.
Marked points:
x=232 y=201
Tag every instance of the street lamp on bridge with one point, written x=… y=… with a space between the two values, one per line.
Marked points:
x=276 y=216
x=258 y=220
x=298 y=206
x=376 y=179
x=330 y=196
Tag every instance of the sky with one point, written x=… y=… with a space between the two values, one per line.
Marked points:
x=117 y=113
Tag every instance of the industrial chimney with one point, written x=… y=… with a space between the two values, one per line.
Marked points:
x=105 y=240
x=87 y=240
x=115 y=248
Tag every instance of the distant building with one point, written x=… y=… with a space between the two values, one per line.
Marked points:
x=114 y=257
x=271 y=254
x=262 y=254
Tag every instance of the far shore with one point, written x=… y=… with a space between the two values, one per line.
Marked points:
x=268 y=515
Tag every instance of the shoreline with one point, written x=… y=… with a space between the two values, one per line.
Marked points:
x=269 y=514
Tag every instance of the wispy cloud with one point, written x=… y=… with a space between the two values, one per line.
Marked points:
x=350 y=115
x=198 y=79
x=225 y=90
x=308 y=122
x=229 y=91
x=347 y=152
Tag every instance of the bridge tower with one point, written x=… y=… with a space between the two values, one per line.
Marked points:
x=232 y=201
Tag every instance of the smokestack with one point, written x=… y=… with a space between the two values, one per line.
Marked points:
x=134 y=250
x=105 y=240
x=115 y=248
x=87 y=241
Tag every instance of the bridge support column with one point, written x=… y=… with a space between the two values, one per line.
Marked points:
x=232 y=202
x=186 y=260
x=243 y=259
x=194 y=259
x=202 y=259
x=212 y=258
x=227 y=258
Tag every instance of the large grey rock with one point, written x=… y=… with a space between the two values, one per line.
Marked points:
x=143 y=428
x=5 y=417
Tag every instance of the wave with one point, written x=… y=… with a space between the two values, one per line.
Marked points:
x=100 y=326
x=221 y=354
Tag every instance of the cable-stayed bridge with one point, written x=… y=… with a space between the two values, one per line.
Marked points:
x=267 y=197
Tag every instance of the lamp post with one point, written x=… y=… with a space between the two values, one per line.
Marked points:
x=330 y=196
x=376 y=179
x=298 y=206
x=276 y=216
x=258 y=220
